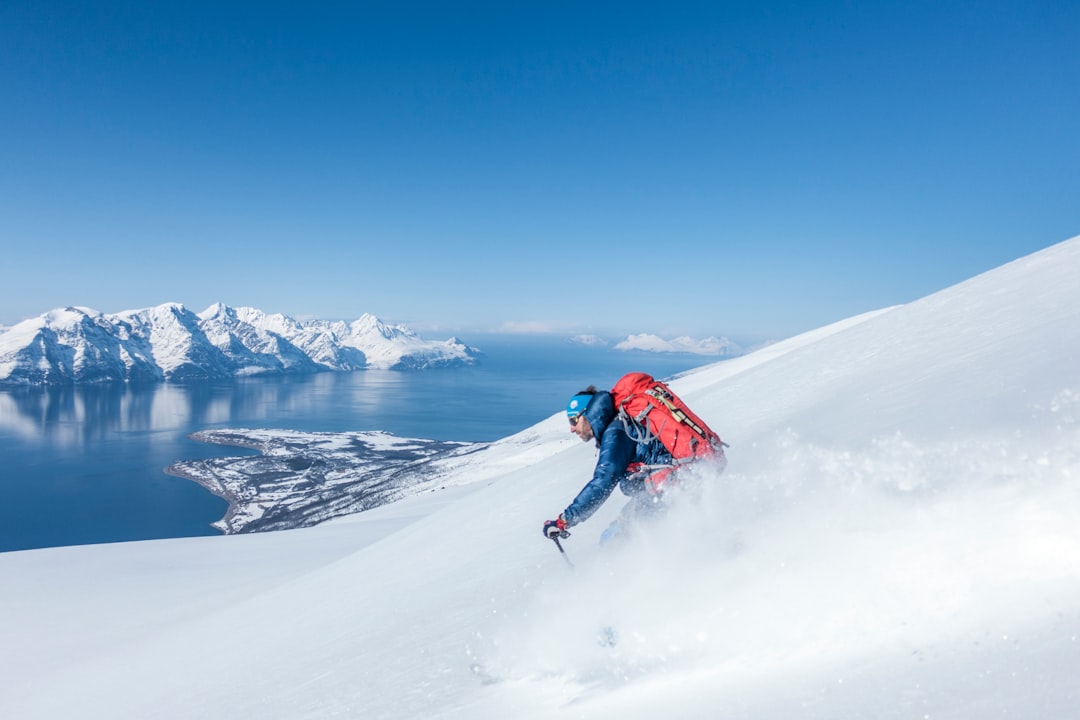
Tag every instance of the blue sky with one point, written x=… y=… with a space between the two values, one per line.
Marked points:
x=745 y=169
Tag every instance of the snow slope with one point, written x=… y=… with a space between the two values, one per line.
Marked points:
x=897 y=536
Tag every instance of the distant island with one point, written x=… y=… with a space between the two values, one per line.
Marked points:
x=171 y=343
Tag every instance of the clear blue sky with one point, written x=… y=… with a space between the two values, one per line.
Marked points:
x=711 y=168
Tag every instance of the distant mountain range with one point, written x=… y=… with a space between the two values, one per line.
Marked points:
x=171 y=343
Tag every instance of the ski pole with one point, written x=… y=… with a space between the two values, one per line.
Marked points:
x=562 y=552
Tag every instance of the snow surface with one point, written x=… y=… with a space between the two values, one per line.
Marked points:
x=897 y=536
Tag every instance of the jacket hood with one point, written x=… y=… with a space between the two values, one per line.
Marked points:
x=600 y=412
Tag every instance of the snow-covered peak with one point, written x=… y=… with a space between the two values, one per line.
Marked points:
x=368 y=325
x=67 y=317
x=168 y=341
x=396 y=346
x=217 y=310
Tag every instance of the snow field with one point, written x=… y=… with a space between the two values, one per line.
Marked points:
x=897 y=535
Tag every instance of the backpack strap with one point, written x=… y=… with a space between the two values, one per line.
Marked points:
x=664 y=397
x=636 y=427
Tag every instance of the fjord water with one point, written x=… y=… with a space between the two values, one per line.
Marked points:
x=83 y=465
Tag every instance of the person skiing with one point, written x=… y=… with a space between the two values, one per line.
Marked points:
x=621 y=463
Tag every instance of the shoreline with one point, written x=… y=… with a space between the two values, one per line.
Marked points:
x=217 y=488
x=223 y=525
x=300 y=479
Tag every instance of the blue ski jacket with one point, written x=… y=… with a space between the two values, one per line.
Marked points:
x=617 y=451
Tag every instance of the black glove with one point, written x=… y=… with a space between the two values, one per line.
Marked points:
x=556 y=529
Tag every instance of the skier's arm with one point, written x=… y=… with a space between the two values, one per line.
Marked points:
x=616 y=452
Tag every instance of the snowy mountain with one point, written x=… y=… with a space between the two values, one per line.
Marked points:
x=897 y=535
x=169 y=342
x=394 y=345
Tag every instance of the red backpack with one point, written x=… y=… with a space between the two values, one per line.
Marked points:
x=651 y=411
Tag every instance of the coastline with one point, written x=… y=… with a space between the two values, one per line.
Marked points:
x=216 y=489
x=300 y=479
x=208 y=480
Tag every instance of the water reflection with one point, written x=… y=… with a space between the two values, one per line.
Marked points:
x=440 y=404
x=82 y=414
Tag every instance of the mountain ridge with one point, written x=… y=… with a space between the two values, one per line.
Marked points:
x=171 y=343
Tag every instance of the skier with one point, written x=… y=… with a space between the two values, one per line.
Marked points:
x=621 y=463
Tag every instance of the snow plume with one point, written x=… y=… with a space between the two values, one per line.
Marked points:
x=807 y=562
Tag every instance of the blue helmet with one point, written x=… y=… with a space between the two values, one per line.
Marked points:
x=577 y=405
